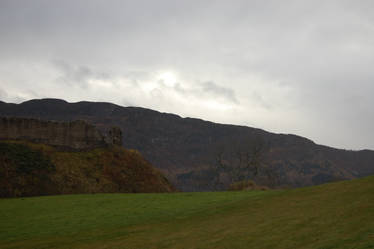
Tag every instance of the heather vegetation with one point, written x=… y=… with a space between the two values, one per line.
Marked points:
x=336 y=215
x=24 y=171
x=30 y=169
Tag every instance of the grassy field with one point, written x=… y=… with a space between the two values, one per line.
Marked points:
x=337 y=215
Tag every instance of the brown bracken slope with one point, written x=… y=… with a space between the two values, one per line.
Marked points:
x=29 y=169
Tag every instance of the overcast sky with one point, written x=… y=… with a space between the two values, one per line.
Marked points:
x=302 y=67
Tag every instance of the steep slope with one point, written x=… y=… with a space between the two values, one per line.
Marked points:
x=185 y=149
x=29 y=169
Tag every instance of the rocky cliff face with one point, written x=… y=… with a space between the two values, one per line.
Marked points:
x=77 y=135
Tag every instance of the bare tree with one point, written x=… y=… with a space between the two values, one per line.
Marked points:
x=244 y=159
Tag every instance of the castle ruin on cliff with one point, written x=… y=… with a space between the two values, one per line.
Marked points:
x=77 y=135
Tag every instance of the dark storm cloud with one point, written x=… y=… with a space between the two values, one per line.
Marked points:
x=288 y=66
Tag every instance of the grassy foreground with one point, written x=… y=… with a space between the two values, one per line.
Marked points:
x=337 y=215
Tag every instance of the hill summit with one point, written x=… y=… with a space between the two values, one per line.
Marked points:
x=186 y=149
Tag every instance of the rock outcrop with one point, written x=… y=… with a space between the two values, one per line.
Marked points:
x=77 y=135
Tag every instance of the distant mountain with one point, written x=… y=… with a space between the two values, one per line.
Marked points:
x=186 y=149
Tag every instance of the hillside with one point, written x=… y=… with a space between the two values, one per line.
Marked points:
x=185 y=149
x=29 y=169
x=336 y=215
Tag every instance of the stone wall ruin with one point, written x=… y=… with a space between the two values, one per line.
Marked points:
x=77 y=135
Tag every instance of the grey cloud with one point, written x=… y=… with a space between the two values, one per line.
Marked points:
x=157 y=93
x=242 y=52
x=77 y=75
x=135 y=77
x=213 y=89
x=3 y=94
x=23 y=95
x=259 y=99
x=126 y=102
x=208 y=90
x=18 y=98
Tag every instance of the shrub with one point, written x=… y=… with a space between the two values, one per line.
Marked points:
x=246 y=185
x=24 y=171
x=24 y=159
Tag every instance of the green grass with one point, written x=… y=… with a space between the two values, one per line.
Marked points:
x=337 y=215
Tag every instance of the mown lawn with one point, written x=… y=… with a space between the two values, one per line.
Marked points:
x=337 y=215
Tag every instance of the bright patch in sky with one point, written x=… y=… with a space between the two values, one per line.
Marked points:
x=168 y=78
x=215 y=105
